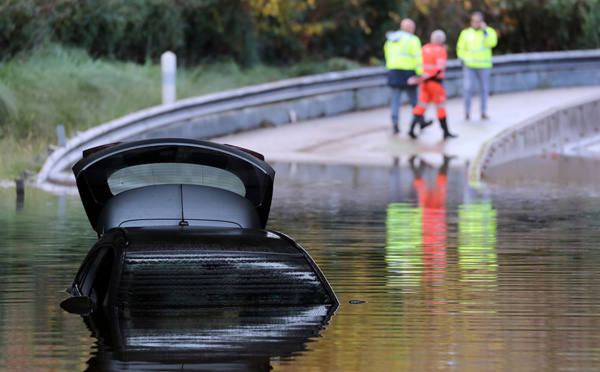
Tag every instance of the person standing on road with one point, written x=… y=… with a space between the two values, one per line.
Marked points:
x=403 y=59
x=430 y=88
x=474 y=49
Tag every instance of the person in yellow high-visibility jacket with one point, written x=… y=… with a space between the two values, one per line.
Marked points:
x=474 y=49
x=403 y=60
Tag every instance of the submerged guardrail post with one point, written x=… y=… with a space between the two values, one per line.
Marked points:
x=20 y=185
x=61 y=134
x=168 y=64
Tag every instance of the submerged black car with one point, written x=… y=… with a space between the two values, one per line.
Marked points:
x=182 y=225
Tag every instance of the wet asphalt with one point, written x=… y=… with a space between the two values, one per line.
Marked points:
x=365 y=138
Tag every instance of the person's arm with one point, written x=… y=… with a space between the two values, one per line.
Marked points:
x=441 y=62
x=490 y=38
x=460 y=45
x=418 y=58
x=424 y=75
x=385 y=50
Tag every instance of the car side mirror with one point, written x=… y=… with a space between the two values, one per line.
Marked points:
x=78 y=305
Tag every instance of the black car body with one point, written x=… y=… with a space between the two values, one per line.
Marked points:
x=181 y=224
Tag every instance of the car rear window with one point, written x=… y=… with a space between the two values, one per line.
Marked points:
x=174 y=173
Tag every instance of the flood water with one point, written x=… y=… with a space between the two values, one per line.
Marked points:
x=454 y=277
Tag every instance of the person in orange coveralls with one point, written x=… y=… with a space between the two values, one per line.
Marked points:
x=432 y=201
x=431 y=89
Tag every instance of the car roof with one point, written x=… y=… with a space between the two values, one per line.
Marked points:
x=107 y=171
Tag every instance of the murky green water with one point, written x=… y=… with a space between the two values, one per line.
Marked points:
x=455 y=277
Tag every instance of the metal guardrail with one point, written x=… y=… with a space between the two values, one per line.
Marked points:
x=564 y=129
x=56 y=169
x=56 y=172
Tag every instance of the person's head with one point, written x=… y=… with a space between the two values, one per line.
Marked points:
x=408 y=25
x=476 y=20
x=438 y=37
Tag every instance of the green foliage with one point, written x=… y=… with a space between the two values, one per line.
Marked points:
x=8 y=104
x=590 y=27
x=133 y=30
x=341 y=64
x=528 y=25
x=306 y=68
x=19 y=155
x=24 y=24
x=222 y=75
x=281 y=31
x=56 y=85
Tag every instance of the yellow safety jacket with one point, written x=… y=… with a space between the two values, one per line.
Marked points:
x=403 y=52
x=474 y=47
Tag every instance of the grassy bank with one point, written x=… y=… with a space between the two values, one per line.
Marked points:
x=55 y=85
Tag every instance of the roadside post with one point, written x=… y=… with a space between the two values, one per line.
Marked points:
x=168 y=63
x=60 y=133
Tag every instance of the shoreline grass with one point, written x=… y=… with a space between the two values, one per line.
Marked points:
x=56 y=85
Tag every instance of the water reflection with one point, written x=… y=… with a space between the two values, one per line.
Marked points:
x=223 y=339
x=566 y=171
x=20 y=201
x=418 y=256
x=520 y=289
x=39 y=253
x=478 y=260
x=416 y=233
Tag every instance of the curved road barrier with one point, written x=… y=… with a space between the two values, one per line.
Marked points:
x=568 y=130
x=305 y=98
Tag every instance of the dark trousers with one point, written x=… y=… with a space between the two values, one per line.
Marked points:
x=411 y=92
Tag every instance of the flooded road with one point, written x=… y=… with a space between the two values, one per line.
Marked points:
x=450 y=276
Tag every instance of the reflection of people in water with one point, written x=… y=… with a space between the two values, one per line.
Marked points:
x=417 y=246
x=416 y=235
x=477 y=222
x=432 y=201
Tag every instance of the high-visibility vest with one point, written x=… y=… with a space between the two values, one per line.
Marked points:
x=434 y=61
x=404 y=54
x=474 y=47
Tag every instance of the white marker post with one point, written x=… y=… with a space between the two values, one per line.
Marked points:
x=168 y=64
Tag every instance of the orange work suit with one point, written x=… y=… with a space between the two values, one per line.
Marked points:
x=431 y=89
x=433 y=204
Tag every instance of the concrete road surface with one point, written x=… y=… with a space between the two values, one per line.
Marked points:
x=365 y=138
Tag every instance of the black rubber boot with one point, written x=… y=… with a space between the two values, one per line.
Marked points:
x=416 y=120
x=425 y=123
x=444 y=167
x=444 y=126
x=396 y=129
